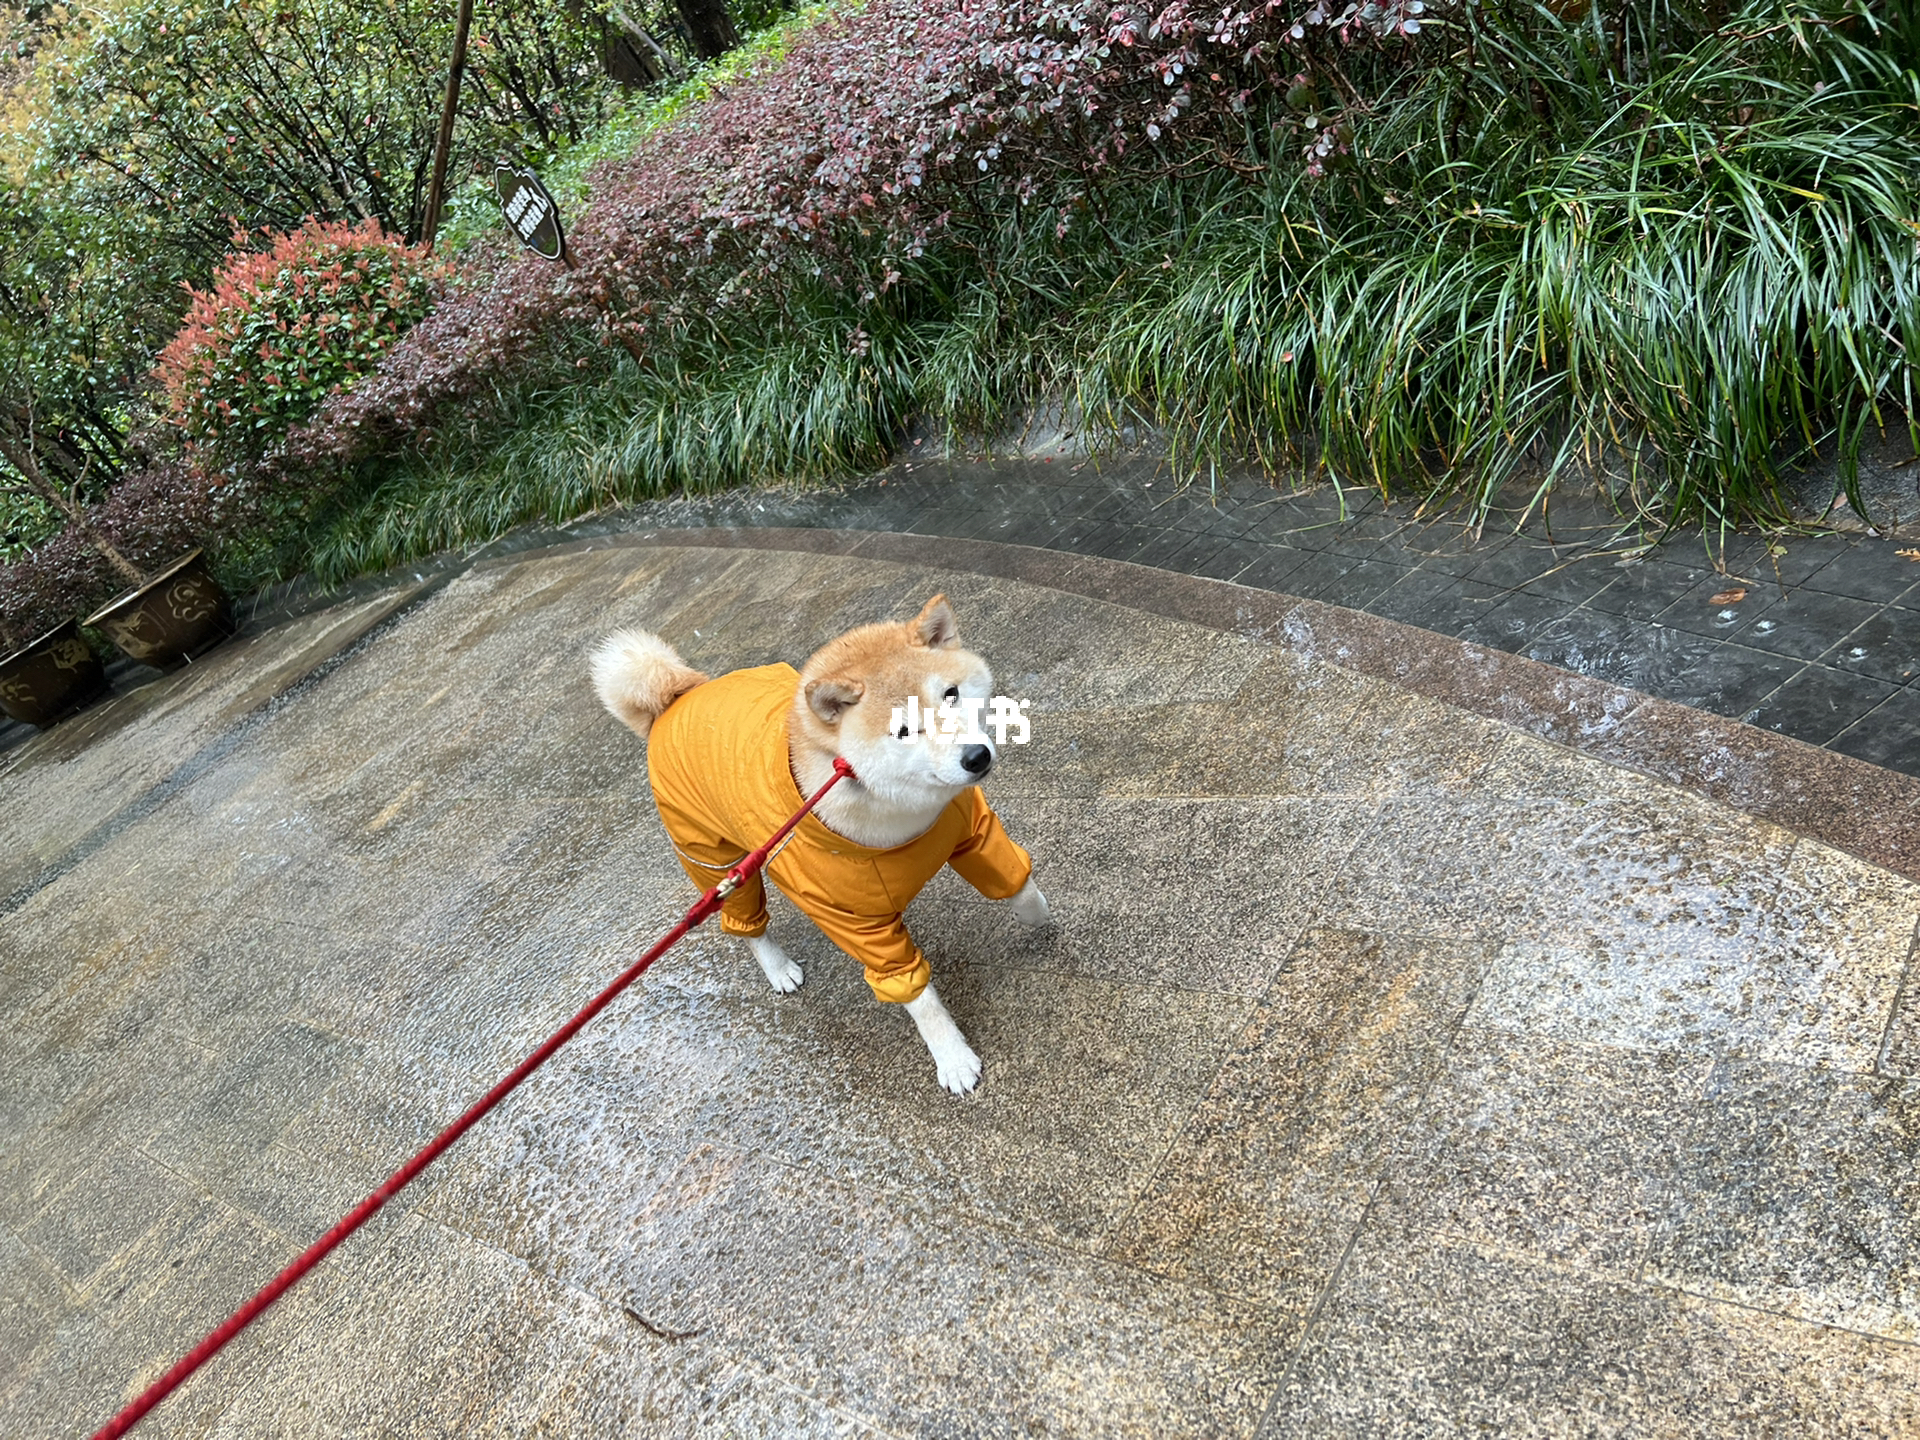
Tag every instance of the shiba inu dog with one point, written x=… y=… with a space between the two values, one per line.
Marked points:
x=731 y=759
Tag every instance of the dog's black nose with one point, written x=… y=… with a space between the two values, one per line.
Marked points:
x=974 y=759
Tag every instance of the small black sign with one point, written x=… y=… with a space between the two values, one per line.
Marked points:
x=530 y=211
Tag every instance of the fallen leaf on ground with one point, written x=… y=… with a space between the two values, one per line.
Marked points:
x=1908 y=554
x=1729 y=597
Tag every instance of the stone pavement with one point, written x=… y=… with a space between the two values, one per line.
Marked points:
x=1813 y=636
x=1391 y=1070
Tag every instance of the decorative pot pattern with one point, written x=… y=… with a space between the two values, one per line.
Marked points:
x=193 y=600
x=50 y=678
x=172 y=618
x=124 y=631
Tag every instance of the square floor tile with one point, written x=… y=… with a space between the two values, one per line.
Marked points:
x=1718 y=606
x=1672 y=664
x=1869 y=570
x=890 y=1306
x=1714 y=939
x=1315 y=571
x=1358 y=587
x=1273 y=568
x=1726 y=679
x=1427 y=1336
x=1560 y=1151
x=1644 y=589
x=1819 y=703
x=1228 y=561
x=1779 y=563
x=1359 y=536
x=1511 y=624
x=1799 y=1192
x=1442 y=546
x=1553 y=573
x=1435 y=600
x=1161 y=550
x=1888 y=734
x=1887 y=647
x=1088 y=537
x=1270 y=1178
x=1805 y=623
x=104 y=1212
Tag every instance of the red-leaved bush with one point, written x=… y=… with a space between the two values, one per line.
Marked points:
x=892 y=118
x=282 y=328
x=857 y=148
x=843 y=160
x=279 y=330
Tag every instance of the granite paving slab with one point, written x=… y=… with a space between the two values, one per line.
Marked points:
x=1394 y=1066
x=1806 y=634
x=64 y=782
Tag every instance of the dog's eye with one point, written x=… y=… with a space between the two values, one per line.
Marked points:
x=903 y=732
x=952 y=697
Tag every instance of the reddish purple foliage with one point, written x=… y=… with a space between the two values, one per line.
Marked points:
x=888 y=120
x=846 y=158
x=154 y=515
x=488 y=324
x=864 y=140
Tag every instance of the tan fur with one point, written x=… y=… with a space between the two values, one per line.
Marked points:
x=888 y=658
x=843 y=704
x=637 y=675
x=844 y=707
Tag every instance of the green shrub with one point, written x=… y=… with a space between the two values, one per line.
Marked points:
x=282 y=328
x=1639 y=237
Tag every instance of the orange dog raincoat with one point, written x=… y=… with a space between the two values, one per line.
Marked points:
x=718 y=761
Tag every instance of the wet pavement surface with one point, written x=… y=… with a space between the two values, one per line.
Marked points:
x=1815 y=636
x=1389 y=1071
x=1812 y=636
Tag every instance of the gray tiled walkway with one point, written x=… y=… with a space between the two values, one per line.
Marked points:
x=1389 y=1072
x=1817 y=637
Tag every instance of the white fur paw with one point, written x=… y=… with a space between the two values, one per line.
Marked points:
x=953 y=1059
x=957 y=1066
x=783 y=972
x=1030 y=906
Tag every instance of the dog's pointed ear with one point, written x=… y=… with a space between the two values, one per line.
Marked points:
x=832 y=698
x=935 y=627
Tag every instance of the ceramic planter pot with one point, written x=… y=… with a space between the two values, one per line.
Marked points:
x=51 y=678
x=170 y=619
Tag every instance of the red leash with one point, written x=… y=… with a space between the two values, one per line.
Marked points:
x=702 y=909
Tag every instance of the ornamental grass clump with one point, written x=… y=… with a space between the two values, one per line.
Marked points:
x=797 y=217
x=1689 y=259
x=283 y=327
x=1422 y=247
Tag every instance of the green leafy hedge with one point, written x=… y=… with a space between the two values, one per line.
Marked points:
x=284 y=327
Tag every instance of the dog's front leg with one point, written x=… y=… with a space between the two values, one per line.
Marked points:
x=783 y=972
x=953 y=1059
x=1030 y=906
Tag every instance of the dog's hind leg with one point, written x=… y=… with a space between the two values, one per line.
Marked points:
x=783 y=972
x=953 y=1059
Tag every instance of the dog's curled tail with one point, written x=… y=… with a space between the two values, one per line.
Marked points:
x=638 y=675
